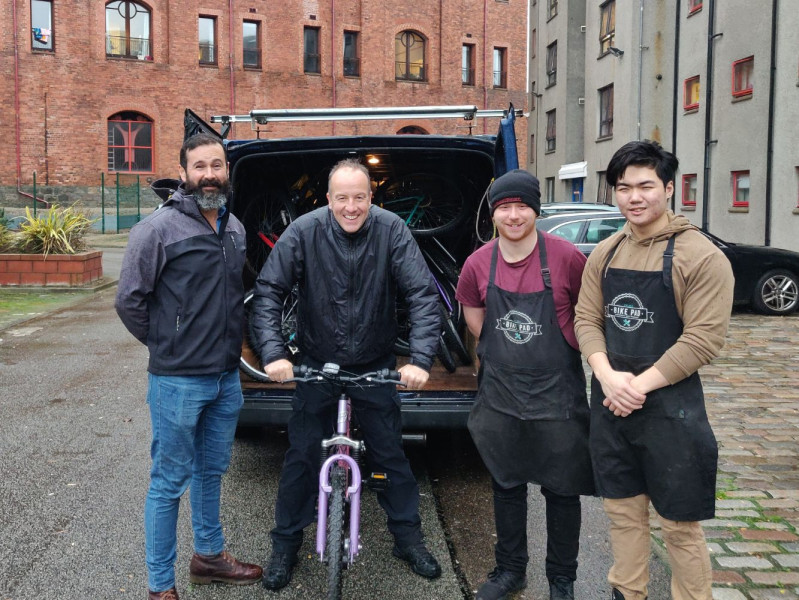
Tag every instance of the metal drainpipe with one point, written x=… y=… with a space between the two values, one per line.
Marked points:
x=485 y=61
x=676 y=98
x=17 y=134
x=333 y=57
x=770 y=143
x=640 y=62
x=711 y=38
x=230 y=61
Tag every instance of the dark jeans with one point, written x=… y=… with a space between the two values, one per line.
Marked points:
x=563 y=530
x=313 y=419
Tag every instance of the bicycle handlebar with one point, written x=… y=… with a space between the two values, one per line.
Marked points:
x=331 y=372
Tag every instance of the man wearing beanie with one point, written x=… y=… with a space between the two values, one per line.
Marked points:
x=530 y=418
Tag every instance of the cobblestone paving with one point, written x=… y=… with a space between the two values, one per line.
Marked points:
x=752 y=396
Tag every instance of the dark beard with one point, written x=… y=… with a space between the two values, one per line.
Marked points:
x=209 y=200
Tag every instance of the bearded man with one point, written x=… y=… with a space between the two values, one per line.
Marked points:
x=180 y=293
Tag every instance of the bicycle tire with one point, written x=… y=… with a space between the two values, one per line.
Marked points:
x=430 y=204
x=445 y=356
x=249 y=361
x=336 y=532
x=454 y=341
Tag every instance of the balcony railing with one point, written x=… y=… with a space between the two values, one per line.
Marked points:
x=251 y=58
x=352 y=67
x=467 y=76
x=128 y=47
x=208 y=54
x=409 y=72
x=311 y=63
x=500 y=79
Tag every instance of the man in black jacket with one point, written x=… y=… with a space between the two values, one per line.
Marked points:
x=350 y=261
x=180 y=293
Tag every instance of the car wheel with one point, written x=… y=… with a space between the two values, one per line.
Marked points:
x=776 y=293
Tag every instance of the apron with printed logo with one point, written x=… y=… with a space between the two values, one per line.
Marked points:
x=531 y=416
x=666 y=449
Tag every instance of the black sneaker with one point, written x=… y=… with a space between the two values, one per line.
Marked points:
x=501 y=582
x=561 y=588
x=278 y=572
x=617 y=595
x=422 y=562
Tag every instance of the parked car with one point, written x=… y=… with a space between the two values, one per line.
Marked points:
x=435 y=182
x=766 y=278
x=549 y=209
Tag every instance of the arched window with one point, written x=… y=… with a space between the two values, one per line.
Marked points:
x=130 y=143
x=127 y=30
x=412 y=130
x=409 y=56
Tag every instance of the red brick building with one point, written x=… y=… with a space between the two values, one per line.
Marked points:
x=100 y=87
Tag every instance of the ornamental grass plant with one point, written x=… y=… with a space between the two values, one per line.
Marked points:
x=57 y=231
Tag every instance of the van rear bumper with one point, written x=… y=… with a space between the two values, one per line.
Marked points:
x=420 y=410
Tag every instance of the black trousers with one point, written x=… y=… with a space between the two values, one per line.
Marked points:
x=313 y=417
x=563 y=517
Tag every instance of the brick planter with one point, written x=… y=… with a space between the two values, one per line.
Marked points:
x=68 y=270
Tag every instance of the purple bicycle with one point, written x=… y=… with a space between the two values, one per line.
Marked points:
x=340 y=481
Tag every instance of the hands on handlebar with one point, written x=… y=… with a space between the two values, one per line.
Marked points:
x=283 y=371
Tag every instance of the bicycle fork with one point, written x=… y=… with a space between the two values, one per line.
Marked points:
x=344 y=444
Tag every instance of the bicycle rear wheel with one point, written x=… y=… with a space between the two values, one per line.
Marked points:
x=428 y=203
x=335 y=548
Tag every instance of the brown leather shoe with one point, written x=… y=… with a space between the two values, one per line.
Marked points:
x=222 y=568
x=167 y=595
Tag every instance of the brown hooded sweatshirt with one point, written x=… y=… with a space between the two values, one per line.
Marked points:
x=703 y=291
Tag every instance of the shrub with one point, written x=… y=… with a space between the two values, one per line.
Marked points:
x=7 y=239
x=58 y=231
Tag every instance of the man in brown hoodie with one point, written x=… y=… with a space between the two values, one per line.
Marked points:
x=654 y=307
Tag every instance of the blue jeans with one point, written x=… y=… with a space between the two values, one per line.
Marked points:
x=194 y=423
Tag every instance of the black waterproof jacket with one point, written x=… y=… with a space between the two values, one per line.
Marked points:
x=348 y=287
x=180 y=290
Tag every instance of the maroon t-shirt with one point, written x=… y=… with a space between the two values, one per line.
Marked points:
x=566 y=265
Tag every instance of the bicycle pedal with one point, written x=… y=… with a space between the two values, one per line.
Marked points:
x=377 y=481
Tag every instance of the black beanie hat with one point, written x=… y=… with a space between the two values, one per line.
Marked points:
x=517 y=183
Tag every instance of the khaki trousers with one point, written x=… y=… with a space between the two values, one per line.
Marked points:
x=691 y=577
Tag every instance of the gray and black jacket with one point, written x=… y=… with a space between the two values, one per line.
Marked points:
x=348 y=288
x=180 y=290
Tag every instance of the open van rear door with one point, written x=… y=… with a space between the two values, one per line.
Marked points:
x=506 y=155
x=193 y=124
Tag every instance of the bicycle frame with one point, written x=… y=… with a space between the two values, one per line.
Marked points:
x=342 y=444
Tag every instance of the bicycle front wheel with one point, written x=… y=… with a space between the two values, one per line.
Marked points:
x=336 y=532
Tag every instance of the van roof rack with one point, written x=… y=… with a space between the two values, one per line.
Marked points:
x=264 y=116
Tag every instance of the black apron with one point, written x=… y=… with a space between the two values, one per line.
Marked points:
x=666 y=449
x=531 y=416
